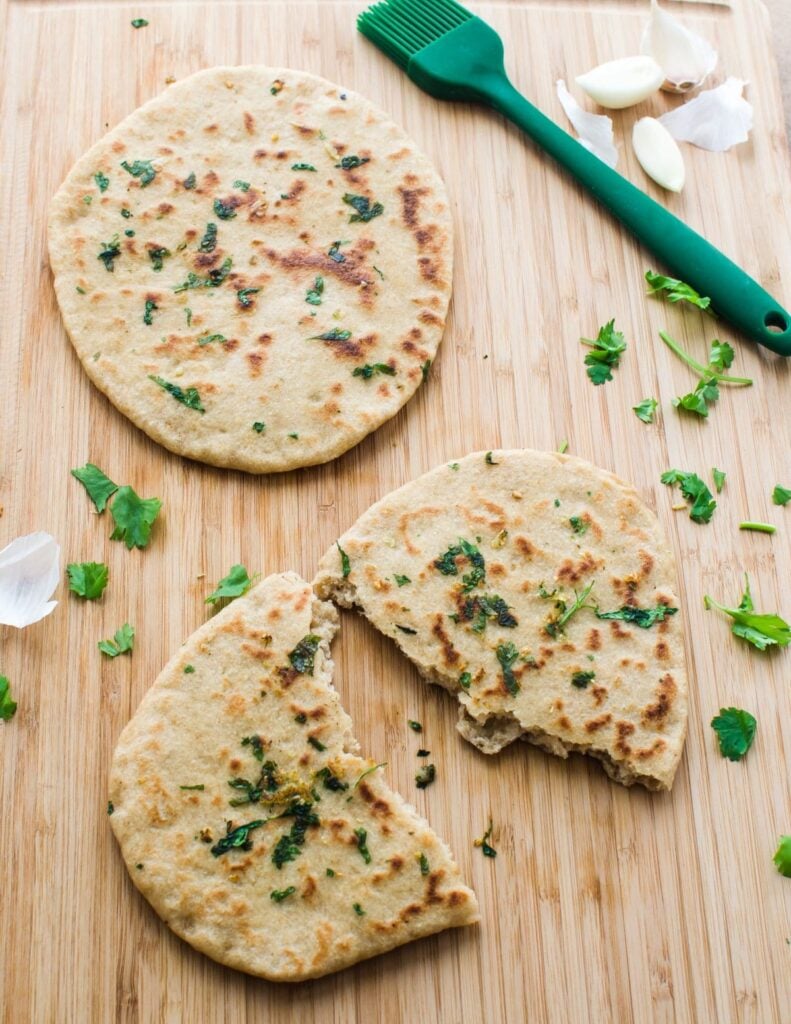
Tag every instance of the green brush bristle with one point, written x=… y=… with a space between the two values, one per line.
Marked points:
x=403 y=27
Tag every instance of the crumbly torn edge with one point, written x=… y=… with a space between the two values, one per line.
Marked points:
x=482 y=733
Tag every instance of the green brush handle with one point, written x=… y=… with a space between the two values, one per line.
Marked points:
x=735 y=296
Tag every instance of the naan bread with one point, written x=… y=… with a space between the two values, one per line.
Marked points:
x=473 y=570
x=203 y=247
x=335 y=867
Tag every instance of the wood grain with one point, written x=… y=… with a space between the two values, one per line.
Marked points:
x=604 y=904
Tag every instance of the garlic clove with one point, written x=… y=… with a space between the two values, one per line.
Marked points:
x=594 y=130
x=622 y=83
x=685 y=57
x=658 y=153
x=716 y=119
x=29 y=574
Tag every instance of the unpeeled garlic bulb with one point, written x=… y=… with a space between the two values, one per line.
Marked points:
x=685 y=57
x=658 y=153
x=622 y=83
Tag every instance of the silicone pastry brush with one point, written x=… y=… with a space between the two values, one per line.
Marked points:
x=452 y=54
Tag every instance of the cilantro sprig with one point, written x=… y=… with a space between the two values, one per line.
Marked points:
x=606 y=351
x=706 y=392
x=235 y=584
x=759 y=629
x=133 y=516
x=735 y=731
x=87 y=579
x=674 y=291
x=702 y=503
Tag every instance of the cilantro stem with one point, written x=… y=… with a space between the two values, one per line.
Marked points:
x=758 y=527
x=702 y=371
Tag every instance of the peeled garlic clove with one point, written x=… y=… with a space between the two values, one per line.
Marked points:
x=716 y=119
x=685 y=57
x=594 y=130
x=29 y=574
x=658 y=153
x=622 y=83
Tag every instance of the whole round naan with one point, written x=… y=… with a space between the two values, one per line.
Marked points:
x=254 y=267
x=247 y=818
x=540 y=590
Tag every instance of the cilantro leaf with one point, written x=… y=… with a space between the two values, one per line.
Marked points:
x=313 y=296
x=7 y=706
x=102 y=181
x=675 y=290
x=718 y=476
x=243 y=296
x=87 y=579
x=642 y=617
x=236 y=583
x=336 y=334
x=209 y=240
x=348 y=163
x=122 y=642
x=157 y=255
x=278 y=895
x=109 y=253
x=735 y=731
x=214 y=280
x=695 y=491
x=139 y=23
x=721 y=355
x=605 y=354
x=225 y=211
x=507 y=655
x=781 y=495
x=367 y=371
x=133 y=517
x=142 y=169
x=303 y=656
x=346 y=565
x=782 y=857
x=189 y=396
x=98 y=486
x=236 y=838
x=645 y=410
x=401 y=580
x=706 y=393
x=759 y=629
x=365 y=210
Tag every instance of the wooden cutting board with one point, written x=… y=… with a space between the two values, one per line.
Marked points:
x=604 y=904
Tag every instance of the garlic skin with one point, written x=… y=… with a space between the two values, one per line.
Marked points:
x=686 y=58
x=716 y=119
x=29 y=574
x=658 y=153
x=622 y=83
x=594 y=130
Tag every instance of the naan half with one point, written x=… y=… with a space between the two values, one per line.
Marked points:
x=475 y=569
x=246 y=817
